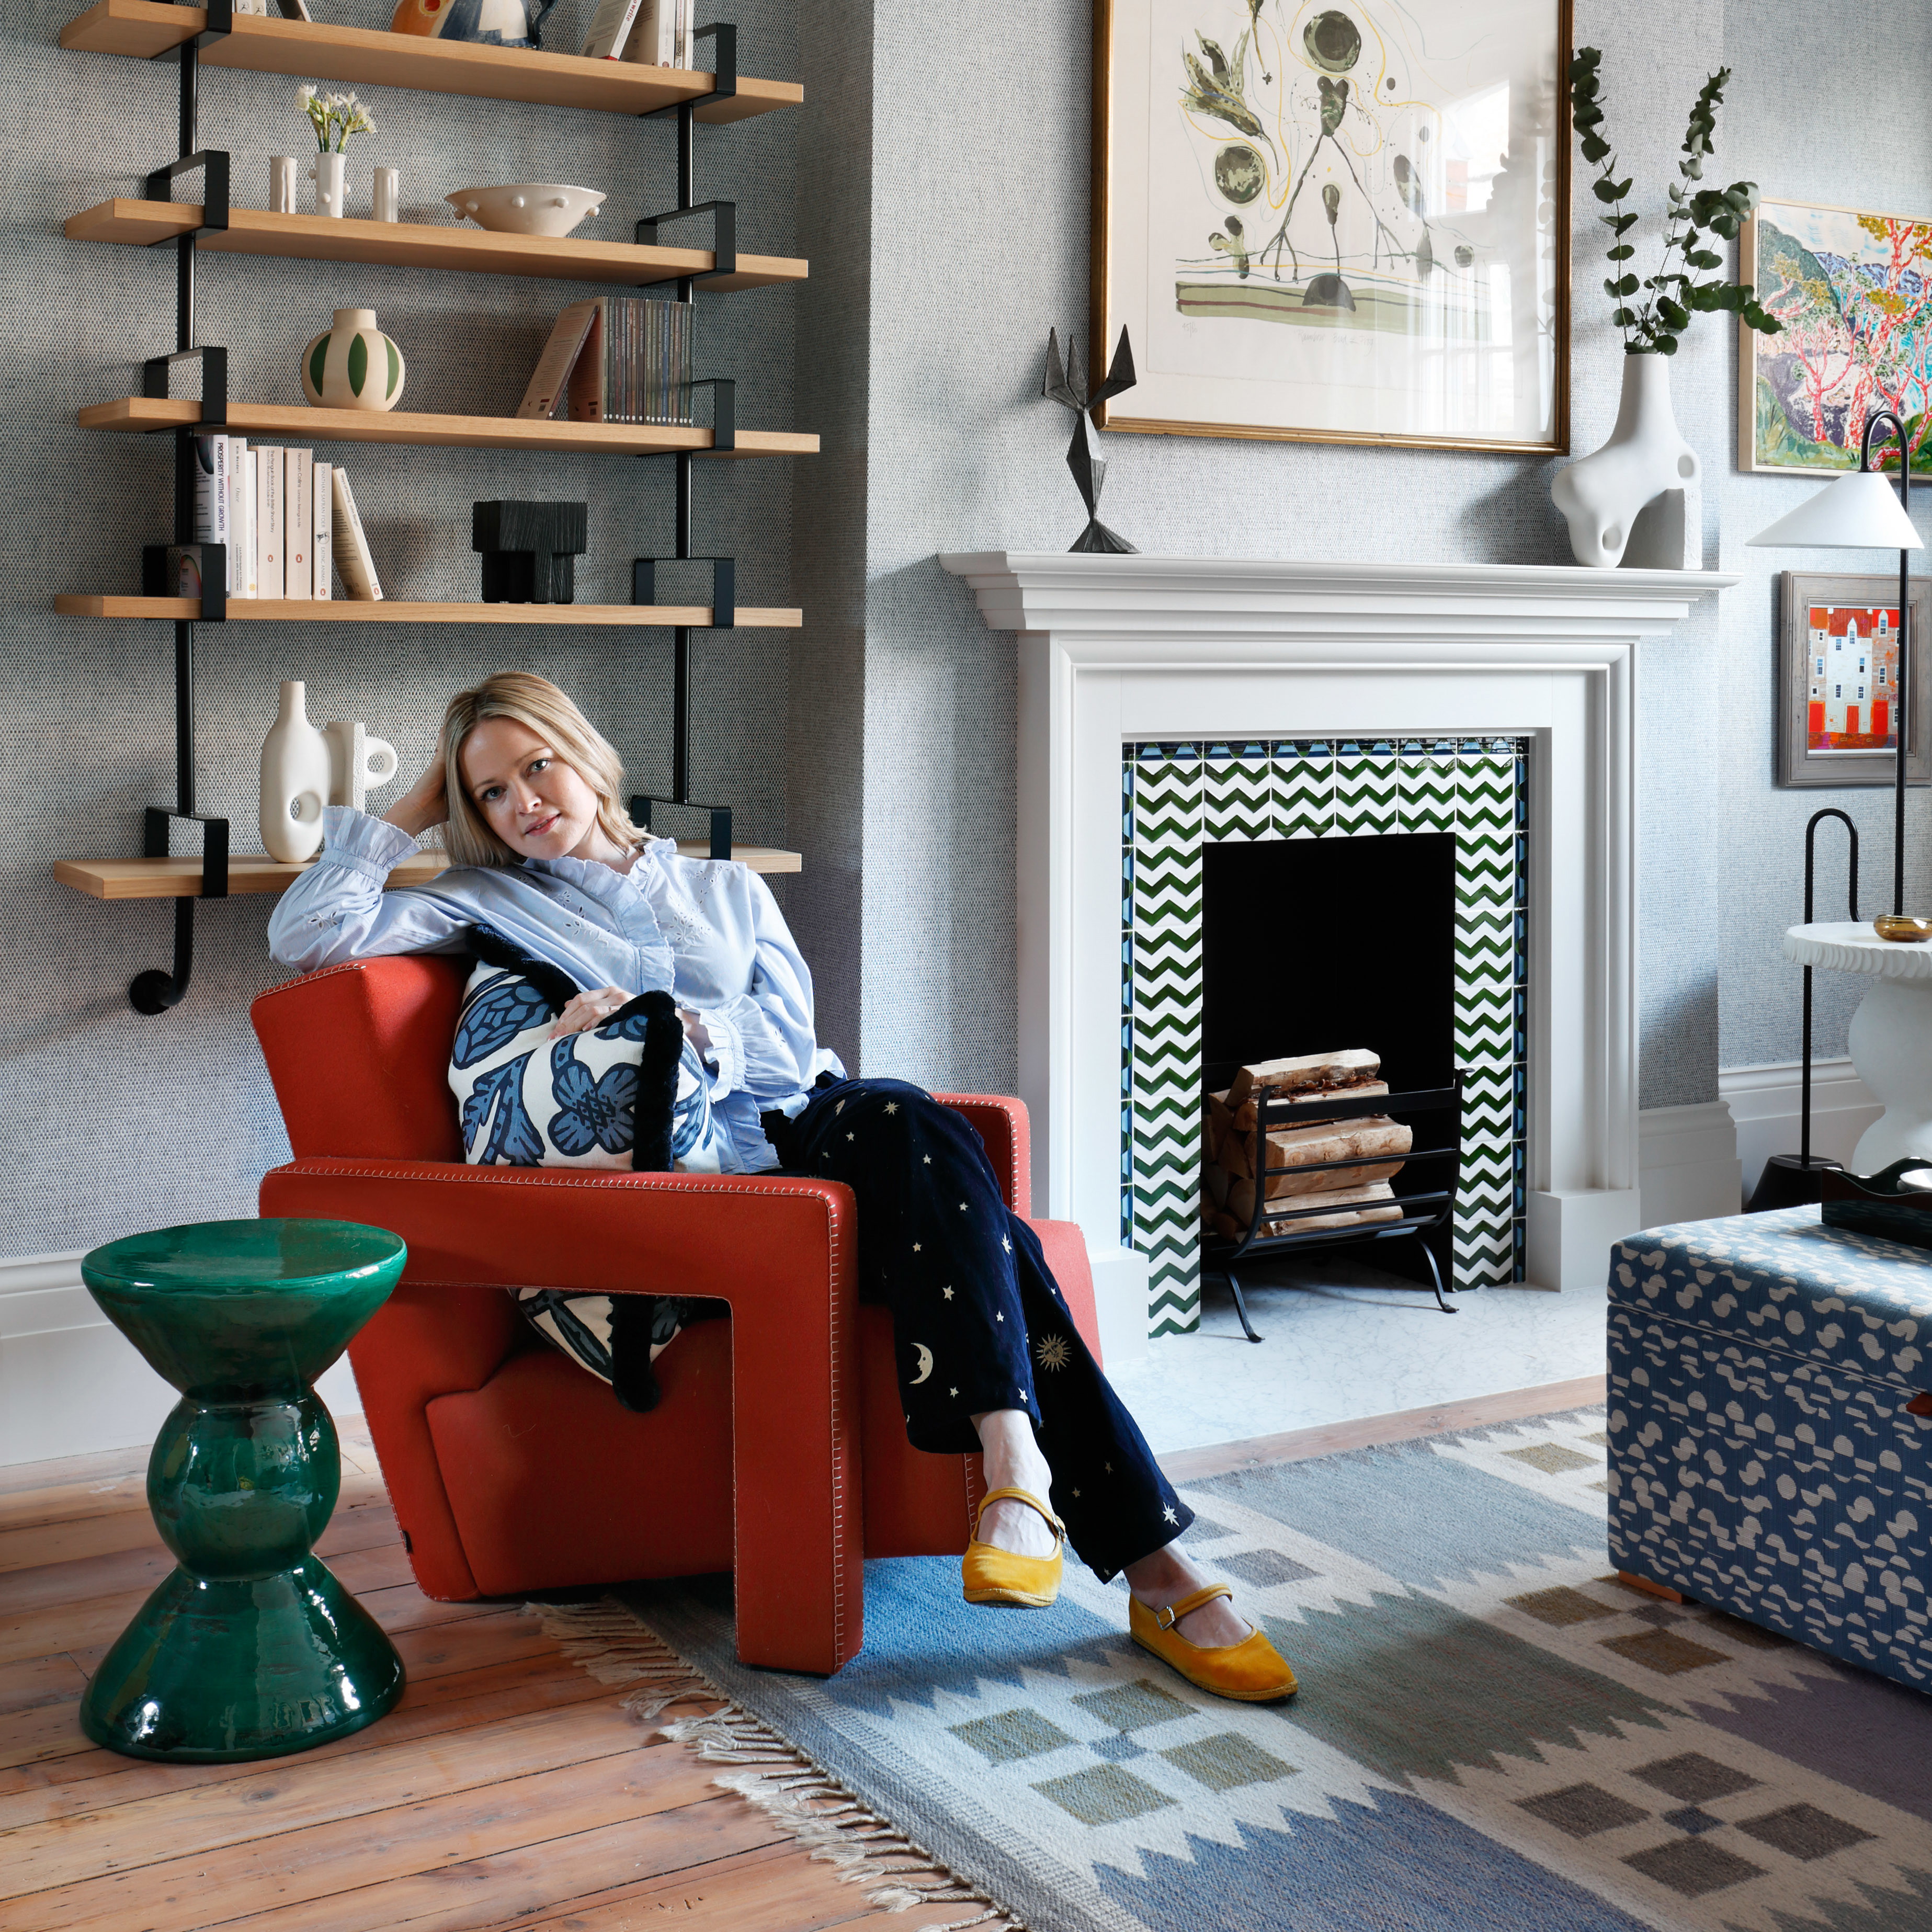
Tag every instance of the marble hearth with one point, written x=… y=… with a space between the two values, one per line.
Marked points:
x=1116 y=650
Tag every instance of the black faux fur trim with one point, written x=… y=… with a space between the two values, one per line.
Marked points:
x=657 y=1079
x=557 y=985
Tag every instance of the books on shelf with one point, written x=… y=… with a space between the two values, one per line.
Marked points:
x=351 y=546
x=616 y=358
x=277 y=512
x=653 y=33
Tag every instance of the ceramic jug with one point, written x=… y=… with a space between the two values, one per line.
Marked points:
x=496 y=23
x=295 y=781
x=358 y=764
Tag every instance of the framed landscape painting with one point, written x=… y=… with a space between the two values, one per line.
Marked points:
x=1854 y=293
x=1838 y=679
x=1336 y=223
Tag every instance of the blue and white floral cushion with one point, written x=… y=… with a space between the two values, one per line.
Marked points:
x=632 y=1093
x=586 y=1100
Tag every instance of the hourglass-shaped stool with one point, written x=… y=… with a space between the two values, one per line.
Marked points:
x=251 y=1647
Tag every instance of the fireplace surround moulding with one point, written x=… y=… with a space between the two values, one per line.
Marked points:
x=1113 y=648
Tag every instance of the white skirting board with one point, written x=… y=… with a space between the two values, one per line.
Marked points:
x=71 y=1384
x=1764 y=1101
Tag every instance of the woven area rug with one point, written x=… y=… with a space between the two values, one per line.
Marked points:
x=1492 y=1733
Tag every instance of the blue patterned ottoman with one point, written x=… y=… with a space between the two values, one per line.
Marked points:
x=1762 y=1457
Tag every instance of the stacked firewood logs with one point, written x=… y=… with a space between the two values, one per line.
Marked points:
x=1355 y=1194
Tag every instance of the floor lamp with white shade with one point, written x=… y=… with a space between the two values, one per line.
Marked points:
x=1855 y=511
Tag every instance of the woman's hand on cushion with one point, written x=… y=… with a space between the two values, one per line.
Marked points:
x=425 y=804
x=589 y=1009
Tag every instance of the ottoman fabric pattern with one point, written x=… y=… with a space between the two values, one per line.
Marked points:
x=1761 y=1457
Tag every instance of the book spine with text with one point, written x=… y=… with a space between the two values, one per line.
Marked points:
x=589 y=390
x=271 y=557
x=247 y=465
x=351 y=547
x=321 y=534
x=298 y=522
x=549 y=383
x=611 y=27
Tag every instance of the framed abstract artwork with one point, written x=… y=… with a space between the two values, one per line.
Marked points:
x=1335 y=222
x=1854 y=293
x=1837 y=674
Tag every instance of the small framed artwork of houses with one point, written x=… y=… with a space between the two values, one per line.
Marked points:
x=1838 y=678
x=1853 y=292
x=1335 y=220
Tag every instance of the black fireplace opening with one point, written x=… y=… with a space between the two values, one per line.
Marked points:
x=1314 y=945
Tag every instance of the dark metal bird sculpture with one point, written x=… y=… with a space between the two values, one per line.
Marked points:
x=1063 y=386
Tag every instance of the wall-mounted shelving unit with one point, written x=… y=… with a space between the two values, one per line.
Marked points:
x=215 y=36
x=418 y=245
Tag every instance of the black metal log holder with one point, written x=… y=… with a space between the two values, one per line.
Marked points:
x=1798 y=1182
x=155 y=991
x=723 y=437
x=1423 y=1213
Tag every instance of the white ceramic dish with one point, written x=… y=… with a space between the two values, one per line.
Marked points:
x=527 y=208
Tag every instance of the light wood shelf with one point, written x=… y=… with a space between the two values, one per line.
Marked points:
x=252 y=872
x=318 y=238
x=142 y=414
x=349 y=610
x=315 y=49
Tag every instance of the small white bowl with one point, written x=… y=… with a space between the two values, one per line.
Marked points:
x=527 y=208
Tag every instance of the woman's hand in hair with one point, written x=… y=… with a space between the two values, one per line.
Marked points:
x=425 y=804
x=589 y=1009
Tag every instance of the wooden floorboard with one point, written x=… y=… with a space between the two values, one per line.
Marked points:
x=507 y=1792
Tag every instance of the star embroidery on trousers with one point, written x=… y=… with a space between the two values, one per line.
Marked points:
x=1168 y=1515
x=952 y=1392
x=840 y=1108
x=1006 y=1244
x=851 y=1137
x=891 y=1106
x=962 y=1206
x=1051 y=1351
x=927 y=1158
x=915 y=1248
x=1109 y=1468
x=998 y=1317
x=947 y=1292
x=1076 y=1496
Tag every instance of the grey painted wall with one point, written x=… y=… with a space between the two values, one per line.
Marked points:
x=979 y=212
x=115 y=1121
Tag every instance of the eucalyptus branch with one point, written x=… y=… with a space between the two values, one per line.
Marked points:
x=1672 y=296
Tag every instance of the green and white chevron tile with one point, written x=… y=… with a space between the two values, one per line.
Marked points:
x=1486 y=820
x=1485 y=1236
x=1304 y=789
x=1428 y=780
x=1368 y=788
x=1238 y=793
x=1489 y=1106
x=1485 y=1021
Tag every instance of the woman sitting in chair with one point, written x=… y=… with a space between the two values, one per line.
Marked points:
x=529 y=796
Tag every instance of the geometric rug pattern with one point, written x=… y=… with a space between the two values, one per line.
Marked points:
x=1492 y=1734
x=1177 y=797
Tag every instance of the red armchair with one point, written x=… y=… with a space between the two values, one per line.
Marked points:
x=778 y=1451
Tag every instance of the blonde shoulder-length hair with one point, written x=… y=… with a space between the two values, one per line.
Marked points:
x=538 y=705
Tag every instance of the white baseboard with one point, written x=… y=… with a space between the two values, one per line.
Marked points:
x=1687 y=1163
x=71 y=1384
x=1764 y=1101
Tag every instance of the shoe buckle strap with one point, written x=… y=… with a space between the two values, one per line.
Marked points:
x=1170 y=1614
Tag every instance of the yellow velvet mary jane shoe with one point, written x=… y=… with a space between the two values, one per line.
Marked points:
x=994 y=1576
x=1252 y=1670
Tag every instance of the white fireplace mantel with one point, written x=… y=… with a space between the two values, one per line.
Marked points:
x=1117 y=649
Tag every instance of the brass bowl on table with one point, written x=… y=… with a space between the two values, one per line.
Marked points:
x=1902 y=926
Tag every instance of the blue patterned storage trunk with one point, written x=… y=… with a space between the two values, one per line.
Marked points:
x=1761 y=1459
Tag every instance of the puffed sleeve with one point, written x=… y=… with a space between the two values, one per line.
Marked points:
x=338 y=910
x=763 y=1039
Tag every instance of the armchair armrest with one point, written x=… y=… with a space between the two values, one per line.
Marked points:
x=779 y=1252
x=1000 y=1121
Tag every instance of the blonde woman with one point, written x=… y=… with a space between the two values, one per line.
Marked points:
x=528 y=796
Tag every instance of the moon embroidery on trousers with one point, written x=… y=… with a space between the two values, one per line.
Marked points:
x=925 y=1362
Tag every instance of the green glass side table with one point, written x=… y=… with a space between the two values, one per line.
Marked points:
x=250 y=1648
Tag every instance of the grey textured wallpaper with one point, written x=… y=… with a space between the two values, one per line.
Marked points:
x=980 y=211
x=135 y=1121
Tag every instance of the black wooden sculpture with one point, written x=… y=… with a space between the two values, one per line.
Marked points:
x=529 y=550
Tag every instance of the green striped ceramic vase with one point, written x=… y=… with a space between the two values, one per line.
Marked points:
x=354 y=366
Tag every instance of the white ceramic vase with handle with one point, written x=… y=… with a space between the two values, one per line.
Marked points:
x=328 y=171
x=359 y=764
x=295 y=777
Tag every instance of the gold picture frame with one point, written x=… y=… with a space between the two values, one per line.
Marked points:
x=1836 y=280
x=1262 y=104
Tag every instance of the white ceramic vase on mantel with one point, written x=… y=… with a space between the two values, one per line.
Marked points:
x=1638 y=500
x=295 y=781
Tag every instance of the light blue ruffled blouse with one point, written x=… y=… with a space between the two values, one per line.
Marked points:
x=707 y=930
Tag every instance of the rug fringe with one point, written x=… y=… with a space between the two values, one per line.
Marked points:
x=611 y=1643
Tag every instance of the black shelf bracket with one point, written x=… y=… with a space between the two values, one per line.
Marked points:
x=723 y=235
x=724 y=584
x=154 y=990
x=724 y=72
x=221 y=24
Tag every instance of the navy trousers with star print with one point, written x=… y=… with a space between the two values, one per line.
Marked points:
x=978 y=1322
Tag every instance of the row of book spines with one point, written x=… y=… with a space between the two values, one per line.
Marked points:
x=283 y=518
x=612 y=359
